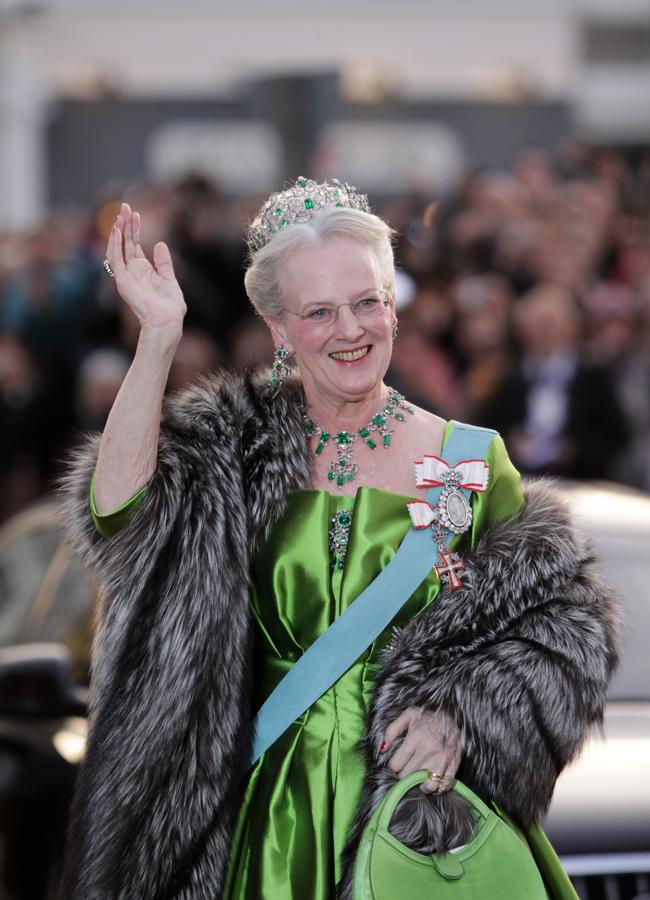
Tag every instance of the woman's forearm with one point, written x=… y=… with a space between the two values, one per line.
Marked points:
x=129 y=444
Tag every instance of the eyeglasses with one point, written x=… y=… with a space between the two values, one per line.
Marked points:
x=370 y=306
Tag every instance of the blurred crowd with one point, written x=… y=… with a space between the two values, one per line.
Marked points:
x=523 y=301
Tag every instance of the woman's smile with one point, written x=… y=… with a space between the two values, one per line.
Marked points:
x=351 y=357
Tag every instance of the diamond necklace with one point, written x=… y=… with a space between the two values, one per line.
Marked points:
x=344 y=468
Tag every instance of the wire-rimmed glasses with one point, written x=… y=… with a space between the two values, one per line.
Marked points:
x=323 y=315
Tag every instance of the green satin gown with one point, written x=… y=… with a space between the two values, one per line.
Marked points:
x=301 y=794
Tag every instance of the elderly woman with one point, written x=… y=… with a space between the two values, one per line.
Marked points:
x=231 y=525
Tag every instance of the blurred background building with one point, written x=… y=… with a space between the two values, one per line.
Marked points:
x=400 y=94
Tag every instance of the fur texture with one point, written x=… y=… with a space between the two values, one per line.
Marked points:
x=520 y=657
x=170 y=714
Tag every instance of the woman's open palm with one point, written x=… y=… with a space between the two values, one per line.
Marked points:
x=151 y=291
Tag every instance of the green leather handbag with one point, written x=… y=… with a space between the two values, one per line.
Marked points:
x=494 y=865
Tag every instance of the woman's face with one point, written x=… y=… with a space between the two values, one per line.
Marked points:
x=339 y=271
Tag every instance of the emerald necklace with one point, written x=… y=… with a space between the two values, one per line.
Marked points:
x=344 y=469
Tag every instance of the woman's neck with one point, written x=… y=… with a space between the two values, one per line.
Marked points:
x=345 y=415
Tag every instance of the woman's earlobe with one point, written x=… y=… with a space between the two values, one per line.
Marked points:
x=277 y=333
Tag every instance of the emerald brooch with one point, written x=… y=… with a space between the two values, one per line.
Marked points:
x=338 y=537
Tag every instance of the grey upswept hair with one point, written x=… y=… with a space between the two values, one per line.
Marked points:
x=262 y=275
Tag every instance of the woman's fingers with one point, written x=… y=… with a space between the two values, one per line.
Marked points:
x=440 y=780
x=162 y=260
x=109 y=244
x=129 y=247
x=438 y=785
x=444 y=764
x=135 y=225
x=432 y=742
x=407 y=748
x=401 y=758
x=434 y=760
x=114 y=254
x=396 y=728
x=112 y=244
x=119 y=221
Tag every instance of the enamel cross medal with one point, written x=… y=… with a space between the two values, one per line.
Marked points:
x=452 y=513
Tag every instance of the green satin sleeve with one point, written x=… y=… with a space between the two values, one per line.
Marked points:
x=110 y=523
x=503 y=498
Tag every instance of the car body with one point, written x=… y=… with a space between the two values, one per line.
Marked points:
x=599 y=819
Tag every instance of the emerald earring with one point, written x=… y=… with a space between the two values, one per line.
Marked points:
x=279 y=370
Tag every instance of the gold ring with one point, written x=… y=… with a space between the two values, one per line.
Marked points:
x=434 y=775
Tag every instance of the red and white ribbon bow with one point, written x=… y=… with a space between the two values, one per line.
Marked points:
x=422 y=513
x=432 y=470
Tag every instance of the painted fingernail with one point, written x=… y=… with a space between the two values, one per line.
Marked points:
x=382 y=746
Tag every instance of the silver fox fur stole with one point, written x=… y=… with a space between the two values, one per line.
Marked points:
x=520 y=657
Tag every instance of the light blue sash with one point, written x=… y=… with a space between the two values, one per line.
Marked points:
x=340 y=645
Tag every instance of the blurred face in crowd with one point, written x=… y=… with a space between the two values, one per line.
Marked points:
x=18 y=374
x=344 y=360
x=547 y=322
x=481 y=333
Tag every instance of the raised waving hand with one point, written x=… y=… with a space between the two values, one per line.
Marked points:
x=150 y=290
x=128 y=449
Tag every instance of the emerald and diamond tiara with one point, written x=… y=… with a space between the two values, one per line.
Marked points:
x=298 y=203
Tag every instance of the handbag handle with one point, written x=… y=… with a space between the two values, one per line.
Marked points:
x=389 y=804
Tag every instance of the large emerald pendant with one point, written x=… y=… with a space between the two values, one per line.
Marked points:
x=344 y=469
